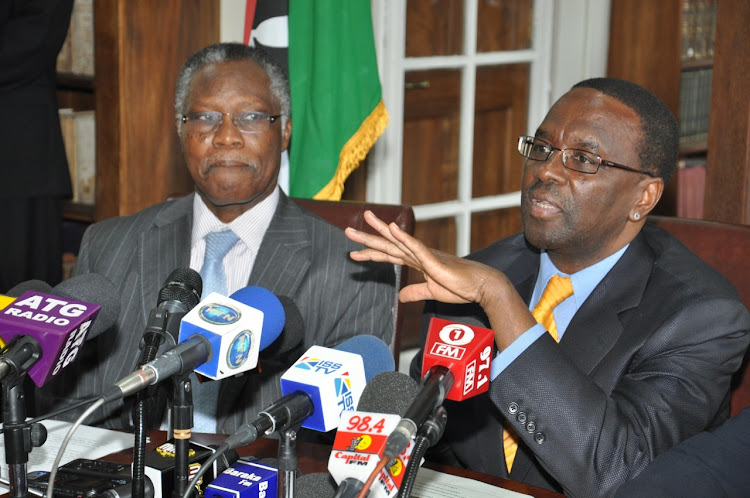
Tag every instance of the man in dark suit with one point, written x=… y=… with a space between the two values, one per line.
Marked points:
x=35 y=177
x=648 y=339
x=708 y=464
x=233 y=120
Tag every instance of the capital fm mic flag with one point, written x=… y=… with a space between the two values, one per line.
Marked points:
x=337 y=108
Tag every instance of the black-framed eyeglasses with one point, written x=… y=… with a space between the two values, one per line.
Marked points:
x=246 y=122
x=578 y=160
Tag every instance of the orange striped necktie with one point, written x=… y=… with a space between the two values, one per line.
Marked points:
x=558 y=290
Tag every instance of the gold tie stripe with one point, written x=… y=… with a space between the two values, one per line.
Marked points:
x=558 y=290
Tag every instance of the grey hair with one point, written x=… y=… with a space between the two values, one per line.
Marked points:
x=226 y=52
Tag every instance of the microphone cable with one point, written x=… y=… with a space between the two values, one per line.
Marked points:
x=428 y=435
x=59 y=411
x=53 y=471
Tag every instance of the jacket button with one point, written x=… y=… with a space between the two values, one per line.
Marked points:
x=531 y=427
x=513 y=408
x=539 y=437
x=521 y=417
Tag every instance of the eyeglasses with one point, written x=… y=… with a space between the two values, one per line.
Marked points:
x=578 y=160
x=246 y=122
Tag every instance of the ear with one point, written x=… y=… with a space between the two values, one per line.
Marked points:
x=287 y=134
x=650 y=195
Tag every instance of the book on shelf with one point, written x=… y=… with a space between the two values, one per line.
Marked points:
x=77 y=53
x=695 y=100
x=691 y=186
x=79 y=137
x=698 y=29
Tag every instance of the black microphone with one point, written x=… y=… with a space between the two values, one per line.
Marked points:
x=179 y=294
x=315 y=485
x=29 y=285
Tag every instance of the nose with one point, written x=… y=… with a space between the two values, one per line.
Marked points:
x=227 y=134
x=552 y=169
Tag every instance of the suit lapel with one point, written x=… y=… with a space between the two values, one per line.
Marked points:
x=599 y=322
x=164 y=247
x=285 y=253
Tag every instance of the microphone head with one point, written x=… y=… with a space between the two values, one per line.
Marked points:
x=29 y=285
x=376 y=355
x=183 y=285
x=466 y=350
x=291 y=337
x=97 y=289
x=273 y=311
x=315 y=485
x=388 y=392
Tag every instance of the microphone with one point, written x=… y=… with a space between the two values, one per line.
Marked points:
x=179 y=294
x=236 y=328
x=455 y=365
x=219 y=337
x=319 y=387
x=361 y=436
x=315 y=485
x=48 y=329
x=15 y=291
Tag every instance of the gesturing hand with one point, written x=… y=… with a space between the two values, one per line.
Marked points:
x=448 y=278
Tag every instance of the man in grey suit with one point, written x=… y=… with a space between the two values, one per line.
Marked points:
x=233 y=121
x=649 y=338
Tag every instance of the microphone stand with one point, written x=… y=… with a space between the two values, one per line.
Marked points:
x=182 y=423
x=153 y=336
x=287 y=460
x=19 y=356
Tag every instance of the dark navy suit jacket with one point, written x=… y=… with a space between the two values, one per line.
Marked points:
x=645 y=363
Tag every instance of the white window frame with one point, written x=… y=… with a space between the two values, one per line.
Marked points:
x=558 y=58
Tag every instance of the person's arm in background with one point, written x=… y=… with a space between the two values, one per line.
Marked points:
x=708 y=464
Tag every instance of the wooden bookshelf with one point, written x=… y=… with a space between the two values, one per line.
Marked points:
x=647 y=46
x=138 y=50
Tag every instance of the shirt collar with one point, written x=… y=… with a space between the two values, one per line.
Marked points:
x=584 y=281
x=250 y=226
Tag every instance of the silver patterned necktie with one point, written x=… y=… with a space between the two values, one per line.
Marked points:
x=206 y=394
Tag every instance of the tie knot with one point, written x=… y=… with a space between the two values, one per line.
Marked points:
x=558 y=290
x=218 y=244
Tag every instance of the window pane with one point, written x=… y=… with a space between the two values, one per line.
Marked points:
x=500 y=118
x=504 y=25
x=434 y=27
x=438 y=234
x=431 y=134
x=490 y=226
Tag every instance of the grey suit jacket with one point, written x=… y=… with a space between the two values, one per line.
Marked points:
x=645 y=363
x=301 y=256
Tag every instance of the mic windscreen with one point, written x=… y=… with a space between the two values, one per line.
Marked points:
x=184 y=285
x=315 y=485
x=388 y=392
x=29 y=285
x=97 y=289
x=377 y=357
x=273 y=312
x=294 y=328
